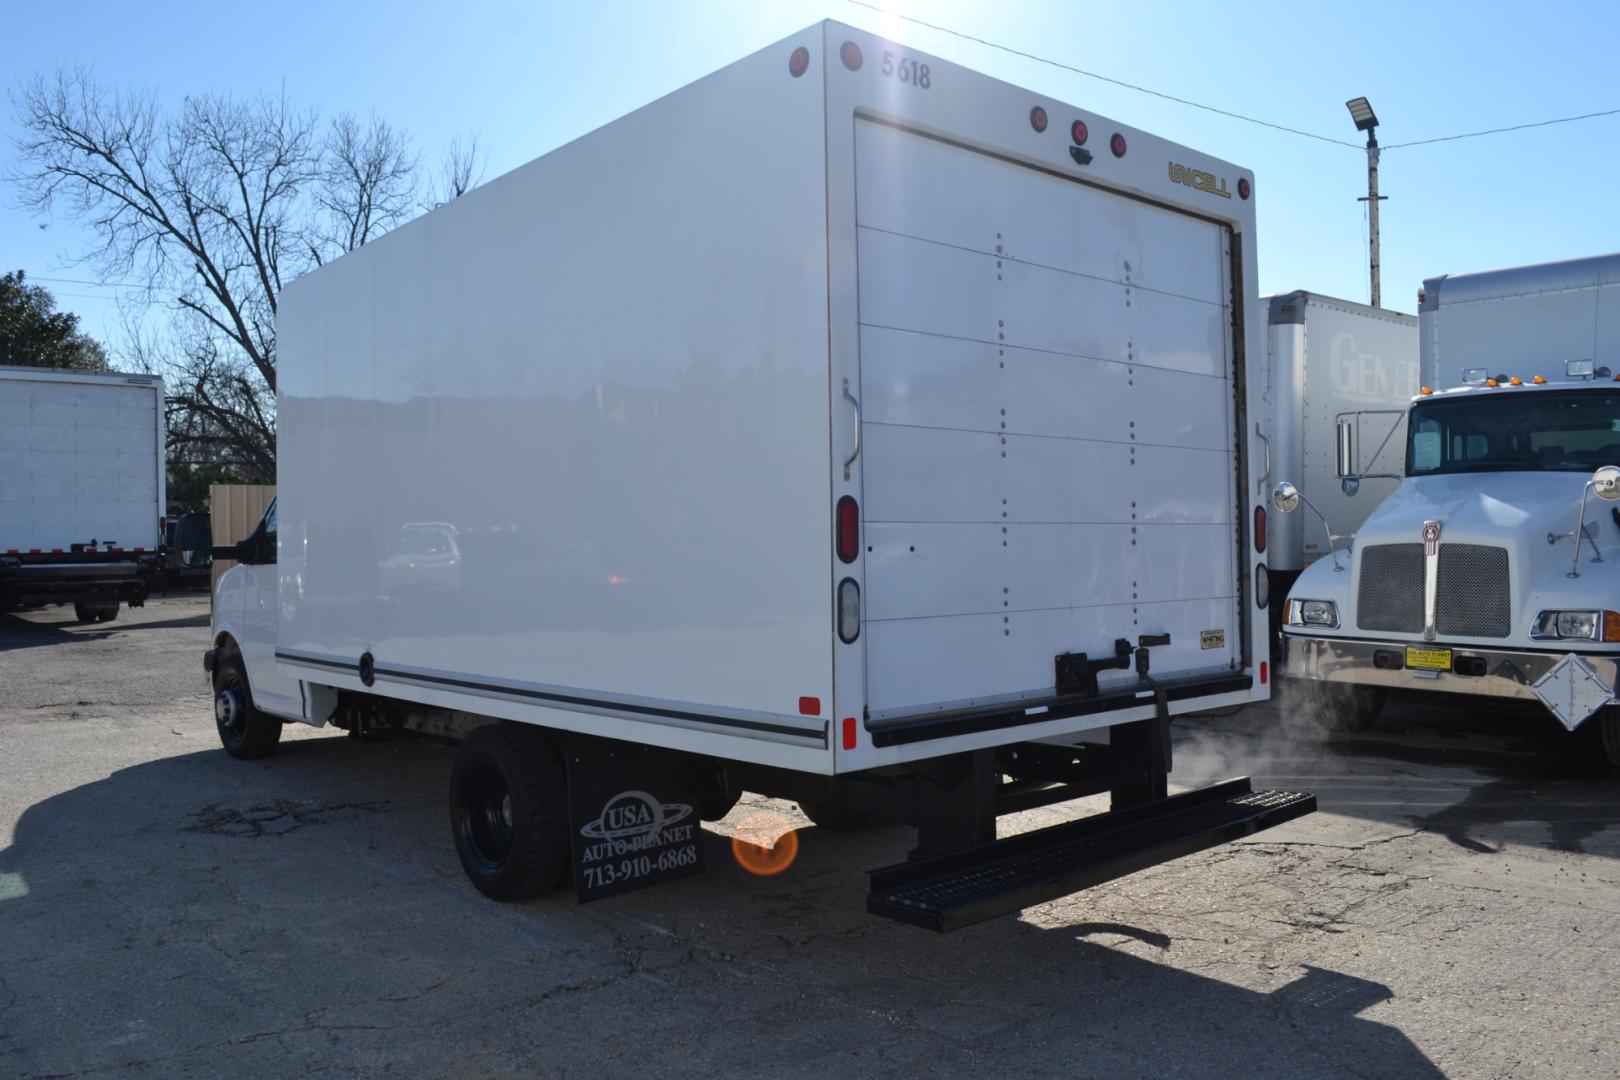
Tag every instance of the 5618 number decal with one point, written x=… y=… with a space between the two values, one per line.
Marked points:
x=906 y=70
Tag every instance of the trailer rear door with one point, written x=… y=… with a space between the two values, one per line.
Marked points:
x=1047 y=377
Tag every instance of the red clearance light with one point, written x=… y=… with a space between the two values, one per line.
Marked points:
x=850 y=54
x=1117 y=144
x=1260 y=529
x=1079 y=132
x=799 y=62
x=849 y=733
x=849 y=529
x=1265 y=670
x=810 y=706
x=1244 y=189
x=1037 y=118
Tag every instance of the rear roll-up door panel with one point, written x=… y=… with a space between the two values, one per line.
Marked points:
x=1048 y=463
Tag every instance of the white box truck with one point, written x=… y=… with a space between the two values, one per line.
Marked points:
x=847 y=426
x=1494 y=568
x=1328 y=359
x=81 y=489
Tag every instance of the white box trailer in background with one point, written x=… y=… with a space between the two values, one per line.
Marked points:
x=1524 y=321
x=81 y=489
x=836 y=427
x=1325 y=359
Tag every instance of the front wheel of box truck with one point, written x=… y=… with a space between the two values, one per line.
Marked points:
x=509 y=812
x=1607 y=722
x=244 y=731
x=1338 y=707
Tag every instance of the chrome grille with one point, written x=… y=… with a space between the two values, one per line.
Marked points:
x=1472 y=599
x=1390 y=596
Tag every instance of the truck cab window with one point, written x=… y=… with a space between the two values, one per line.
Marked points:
x=1514 y=431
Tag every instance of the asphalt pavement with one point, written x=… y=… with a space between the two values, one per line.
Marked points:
x=166 y=911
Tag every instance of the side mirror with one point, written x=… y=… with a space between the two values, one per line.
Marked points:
x=1606 y=483
x=1350 y=485
x=1285 y=497
x=1344 y=461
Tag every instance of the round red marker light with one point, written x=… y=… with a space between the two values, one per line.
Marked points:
x=1037 y=118
x=1117 y=144
x=1079 y=132
x=1243 y=189
x=850 y=54
x=799 y=62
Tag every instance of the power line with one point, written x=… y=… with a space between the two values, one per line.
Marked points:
x=1500 y=130
x=1211 y=108
x=1103 y=78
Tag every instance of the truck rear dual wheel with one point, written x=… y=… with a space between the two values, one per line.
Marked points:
x=87 y=613
x=244 y=731
x=509 y=812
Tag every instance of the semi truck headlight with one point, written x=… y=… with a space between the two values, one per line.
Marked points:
x=1313 y=613
x=1579 y=625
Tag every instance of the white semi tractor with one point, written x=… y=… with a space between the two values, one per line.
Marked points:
x=848 y=427
x=81 y=489
x=1328 y=358
x=1494 y=567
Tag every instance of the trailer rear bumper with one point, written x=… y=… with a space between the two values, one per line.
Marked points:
x=951 y=891
x=77 y=579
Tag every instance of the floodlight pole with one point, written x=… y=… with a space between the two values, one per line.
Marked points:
x=1372 y=209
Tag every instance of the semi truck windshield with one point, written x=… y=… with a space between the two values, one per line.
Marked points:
x=1514 y=431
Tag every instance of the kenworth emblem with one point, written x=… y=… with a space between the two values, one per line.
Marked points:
x=1431 y=537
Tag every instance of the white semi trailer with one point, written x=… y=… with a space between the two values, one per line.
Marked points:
x=81 y=489
x=1326 y=359
x=1494 y=568
x=847 y=426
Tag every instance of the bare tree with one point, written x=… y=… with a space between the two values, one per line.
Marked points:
x=461 y=170
x=214 y=207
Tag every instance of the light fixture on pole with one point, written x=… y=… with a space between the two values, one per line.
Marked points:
x=1366 y=120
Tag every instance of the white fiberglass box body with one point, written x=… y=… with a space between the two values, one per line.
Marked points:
x=1328 y=358
x=567 y=450
x=81 y=459
x=1521 y=322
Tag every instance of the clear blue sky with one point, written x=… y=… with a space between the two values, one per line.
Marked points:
x=527 y=77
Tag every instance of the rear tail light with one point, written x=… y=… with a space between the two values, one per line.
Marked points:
x=849 y=529
x=1260 y=529
x=849 y=611
x=1262 y=586
x=849 y=733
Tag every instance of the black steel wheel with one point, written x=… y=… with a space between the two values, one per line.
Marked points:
x=1339 y=707
x=244 y=731
x=509 y=812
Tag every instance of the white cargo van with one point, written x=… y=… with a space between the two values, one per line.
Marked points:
x=81 y=489
x=846 y=426
x=1494 y=568
x=1328 y=359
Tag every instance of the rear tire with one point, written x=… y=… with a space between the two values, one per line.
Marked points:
x=244 y=731
x=509 y=812
x=1339 y=707
x=88 y=612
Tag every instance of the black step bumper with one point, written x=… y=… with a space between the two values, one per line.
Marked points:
x=948 y=892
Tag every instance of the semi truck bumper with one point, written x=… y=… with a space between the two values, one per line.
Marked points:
x=1571 y=685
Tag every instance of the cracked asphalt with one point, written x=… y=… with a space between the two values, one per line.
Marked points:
x=166 y=911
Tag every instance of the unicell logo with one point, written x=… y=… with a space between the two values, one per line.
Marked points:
x=634 y=821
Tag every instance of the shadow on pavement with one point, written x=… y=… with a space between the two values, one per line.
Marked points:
x=196 y=913
x=1447 y=764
